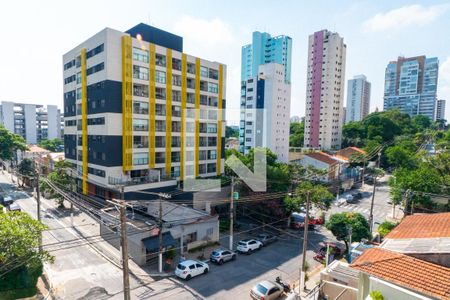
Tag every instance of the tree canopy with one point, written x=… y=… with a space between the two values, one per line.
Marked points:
x=53 y=145
x=10 y=143
x=296 y=134
x=20 y=258
x=319 y=196
x=340 y=225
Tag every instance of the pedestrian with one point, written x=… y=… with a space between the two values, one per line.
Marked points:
x=182 y=258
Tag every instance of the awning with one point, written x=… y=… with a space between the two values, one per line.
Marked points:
x=152 y=243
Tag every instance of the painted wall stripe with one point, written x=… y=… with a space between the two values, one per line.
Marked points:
x=183 y=116
x=127 y=104
x=219 y=121
x=84 y=131
x=168 y=111
x=197 y=115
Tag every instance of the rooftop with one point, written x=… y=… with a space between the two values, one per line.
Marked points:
x=406 y=271
x=349 y=151
x=422 y=226
x=157 y=36
x=322 y=156
x=36 y=149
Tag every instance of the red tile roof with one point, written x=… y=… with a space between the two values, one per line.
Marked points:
x=422 y=226
x=349 y=151
x=405 y=271
x=323 y=157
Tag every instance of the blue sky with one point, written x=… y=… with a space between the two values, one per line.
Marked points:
x=35 y=35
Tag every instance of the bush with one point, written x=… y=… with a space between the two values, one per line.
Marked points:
x=376 y=295
x=385 y=228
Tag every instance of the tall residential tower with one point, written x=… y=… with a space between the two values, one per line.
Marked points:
x=140 y=113
x=440 y=109
x=266 y=49
x=34 y=122
x=411 y=85
x=325 y=90
x=358 y=99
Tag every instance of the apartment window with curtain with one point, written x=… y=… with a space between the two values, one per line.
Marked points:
x=203 y=71
x=140 y=72
x=140 y=159
x=140 y=125
x=160 y=76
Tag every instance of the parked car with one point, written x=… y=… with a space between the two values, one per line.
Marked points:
x=248 y=246
x=321 y=253
x=220 y=256
x=298 y=221
x=191 y=268
x=349 y=198
x=357 y=196
x=14 y=207
x=266 y=290
x=341 y=201
x=266 y=239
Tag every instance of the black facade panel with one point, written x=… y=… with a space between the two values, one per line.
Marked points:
x=69 y=104
x=70 y=146
x=259 y=119
x=157 y=36
x=105 y=96
x=108 y=150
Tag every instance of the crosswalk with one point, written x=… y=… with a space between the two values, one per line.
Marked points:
x=363 y=210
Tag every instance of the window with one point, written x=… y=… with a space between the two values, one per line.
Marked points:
x=96 y=121
x=69 y=65
x=175 y=171
x=160 y=76
x=190 y=83
x=71 y=123
x=140 y=108
x=212 y=154
x=140 y=90
x=176 y=80
x=176 y=126
x=160 y=125
x=78 y=93
x=160 y=157
x=191 y=68
x=140 y=125
x=204 y=86
x=95 y=51
x=95 y=69
x=176 y=96
x=160 y=141
x=175 y=156
x=78 y=77
x=160 y=93
x=176 y=141
x=211 y=168
x=160 y=109
x=213 y=88
x=203 y=71
x=140 y=55
x=212 y=141
x=190 y=141
x=213 y=74
x=140 y=159
x=211 y=128
x=176 y=111
x=160 y=60
x=140 y=72
x=176 y=64
x=69 y=79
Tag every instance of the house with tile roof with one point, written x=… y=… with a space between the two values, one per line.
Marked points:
x=400 y=277
x=423 y=236
x=321 y=161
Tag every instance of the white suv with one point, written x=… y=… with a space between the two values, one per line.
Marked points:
x=191 y=268
x=248 y=246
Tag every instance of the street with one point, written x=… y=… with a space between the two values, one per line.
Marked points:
x=80 y=271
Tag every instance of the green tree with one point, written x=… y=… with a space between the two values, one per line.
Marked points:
x=398 y=156
x=26 y=169
x=53 y=145
x=231 y=132
x=318 y=194
x=353 y=134
x=20 y=261
x=60 y=177
x=340 y=225
x=376 y=295
x=10 y=143
x=421 y=122
x=385 y=228
x=296 y=134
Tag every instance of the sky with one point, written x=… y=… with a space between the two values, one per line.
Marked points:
x=36 y=34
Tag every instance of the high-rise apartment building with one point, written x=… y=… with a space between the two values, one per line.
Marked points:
x=266 y=49
x=34 y=122
x=325 y=90
x=440 y=109
x=140 y=113
x=411 y=85
x=265 y=111
x=358 y=99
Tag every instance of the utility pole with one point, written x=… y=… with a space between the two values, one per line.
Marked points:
x=363 y=171
x=38 y=200
x=231 y=212
x=160 y=236
x=305 y=244
x=338 y=181
x=124 y=244
x=373 y=194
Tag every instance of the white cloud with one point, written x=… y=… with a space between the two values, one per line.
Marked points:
x=209 y=32
x=411 y=15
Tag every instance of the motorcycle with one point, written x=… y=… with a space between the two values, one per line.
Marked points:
x=286 y=286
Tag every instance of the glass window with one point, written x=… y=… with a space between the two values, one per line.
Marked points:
x=160 y=109
x=212 y=128
x=213 y=74
x=176 y=64
x=140 y=124
x=140 y=55
x=140 y=72
x=78 y=93
x=140 y=107
x=140 y=90
x=213 y=88
x=140 y=159
x=160 y=76
x=160 y=93
x=78 y=77
x=160 y=60
x=203 y=71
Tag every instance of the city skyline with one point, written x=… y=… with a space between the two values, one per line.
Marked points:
x=367 y=27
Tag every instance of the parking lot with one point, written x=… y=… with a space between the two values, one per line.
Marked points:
x=235 y=279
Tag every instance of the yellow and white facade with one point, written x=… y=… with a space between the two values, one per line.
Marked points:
x=141 y=113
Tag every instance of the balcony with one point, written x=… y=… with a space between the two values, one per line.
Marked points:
x=154 y=180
